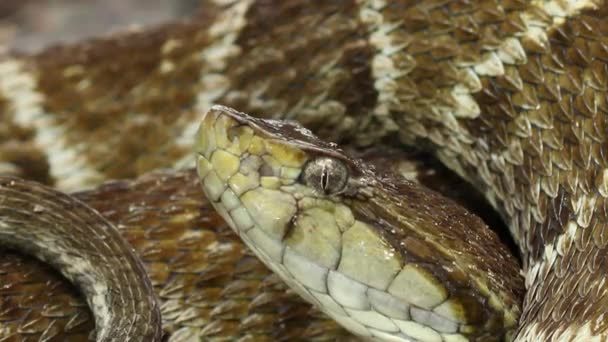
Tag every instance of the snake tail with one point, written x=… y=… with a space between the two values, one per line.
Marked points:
x=88 y=250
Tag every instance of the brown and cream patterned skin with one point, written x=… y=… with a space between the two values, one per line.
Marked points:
x=209 y=285
x=87 y=250
x=510 y=94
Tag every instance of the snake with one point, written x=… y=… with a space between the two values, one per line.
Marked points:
x=510 y=95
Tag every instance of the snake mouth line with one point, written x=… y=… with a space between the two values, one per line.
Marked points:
x=258 y=176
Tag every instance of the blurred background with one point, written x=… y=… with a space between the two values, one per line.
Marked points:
x=30 y=25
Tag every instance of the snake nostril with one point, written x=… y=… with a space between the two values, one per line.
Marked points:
x=266 y=171
x=233 y=134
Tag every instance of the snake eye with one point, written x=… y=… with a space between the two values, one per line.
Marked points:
x=326 y=175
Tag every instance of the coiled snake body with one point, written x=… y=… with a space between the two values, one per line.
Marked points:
x=511 y=95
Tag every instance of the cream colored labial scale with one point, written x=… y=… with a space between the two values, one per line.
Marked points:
x=327 y=256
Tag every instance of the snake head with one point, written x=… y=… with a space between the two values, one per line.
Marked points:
x=335 y=232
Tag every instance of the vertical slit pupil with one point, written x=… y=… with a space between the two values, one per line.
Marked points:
x=325 y=179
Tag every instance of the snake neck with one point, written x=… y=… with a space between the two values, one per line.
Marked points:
x=524 y=121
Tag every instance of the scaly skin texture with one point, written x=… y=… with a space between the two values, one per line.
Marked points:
x=510 y=94
x=209 y=285
x=92 y=254
x=384 y=257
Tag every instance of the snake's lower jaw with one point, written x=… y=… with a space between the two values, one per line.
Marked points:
x=314 y=243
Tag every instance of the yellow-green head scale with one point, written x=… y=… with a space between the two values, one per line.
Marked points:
x=352 y=241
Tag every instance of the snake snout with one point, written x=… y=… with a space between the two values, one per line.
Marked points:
x=243 y=171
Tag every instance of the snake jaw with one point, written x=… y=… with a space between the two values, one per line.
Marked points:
x=326 y=247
